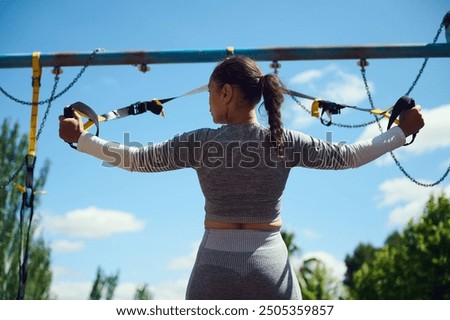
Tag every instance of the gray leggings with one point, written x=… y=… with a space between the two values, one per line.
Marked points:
x=242 y=264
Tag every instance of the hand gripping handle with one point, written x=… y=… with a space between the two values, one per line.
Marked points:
x=402 y=104
x=85 y=110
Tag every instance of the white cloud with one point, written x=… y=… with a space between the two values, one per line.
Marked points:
x=185 y=262
x=176 y=289
x=346 y=88
x=125 y=291
x=297 y=117
x=436 y=133
x=93 y=222
x=69 y=290
x=309 y=234
x=64 y=246
x=332 y=83
x=399 y=190
x=62 y=271
x=166 y=290
x=402 y=215
x=408 y=200
x=307 y=76
x=171 y=289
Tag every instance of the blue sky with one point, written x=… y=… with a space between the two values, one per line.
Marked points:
x=148 y=226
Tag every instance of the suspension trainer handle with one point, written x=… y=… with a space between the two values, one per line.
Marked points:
x=402 y=104
x=69 y=112
x=84 y=110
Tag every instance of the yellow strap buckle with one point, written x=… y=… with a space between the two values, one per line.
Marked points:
x=315 y=108
x=384 y=113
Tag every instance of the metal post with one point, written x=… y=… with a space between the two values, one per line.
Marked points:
x=389 y=51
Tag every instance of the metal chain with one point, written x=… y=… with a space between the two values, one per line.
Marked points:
x=12 y=177
x=49 y=102
x=422 y=184
x=299 y=103
x=425 y=61
x=377 y=119
x=401 y=168
x=351 y=126
x=369 y=95
x=69 y=86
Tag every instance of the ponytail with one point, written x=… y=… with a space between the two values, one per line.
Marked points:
x=272 y=92
x=245 y=73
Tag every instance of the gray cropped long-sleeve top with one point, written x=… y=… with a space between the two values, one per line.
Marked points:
x=240 y=173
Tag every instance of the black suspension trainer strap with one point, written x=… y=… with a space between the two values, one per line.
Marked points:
x=402 y=104
x=155 y=106
x=331 y=108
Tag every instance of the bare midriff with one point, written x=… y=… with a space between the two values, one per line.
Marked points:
x=270 y=226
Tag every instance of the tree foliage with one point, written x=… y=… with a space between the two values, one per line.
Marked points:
x=316 y=281
x=364 y=253
x=288 y=238
x=143 y=293
x=414 y=264
x=104 y=285
x=13 y=148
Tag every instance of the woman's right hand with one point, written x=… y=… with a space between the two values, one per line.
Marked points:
x=70 y=129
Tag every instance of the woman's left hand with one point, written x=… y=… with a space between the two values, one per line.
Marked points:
x=70 y=129
x=411 y=121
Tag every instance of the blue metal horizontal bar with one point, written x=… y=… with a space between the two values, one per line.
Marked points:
x=389 y=51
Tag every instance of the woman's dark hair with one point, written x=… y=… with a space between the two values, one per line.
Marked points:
x=245 y=73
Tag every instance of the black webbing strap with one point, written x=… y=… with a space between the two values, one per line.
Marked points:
x=27 y=203
x=329 y=108
x=155 y=106
x=402 y=104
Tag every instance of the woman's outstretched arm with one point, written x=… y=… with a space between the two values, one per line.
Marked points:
x=315 y=153
x=168 y=155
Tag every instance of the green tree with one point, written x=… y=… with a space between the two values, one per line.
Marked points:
x=414 y=266
x=364 y=253
x=394 y=240
x=143 y=293
x=315 y=280
x=288 y=238
x=13 y=148
x=104 y=285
